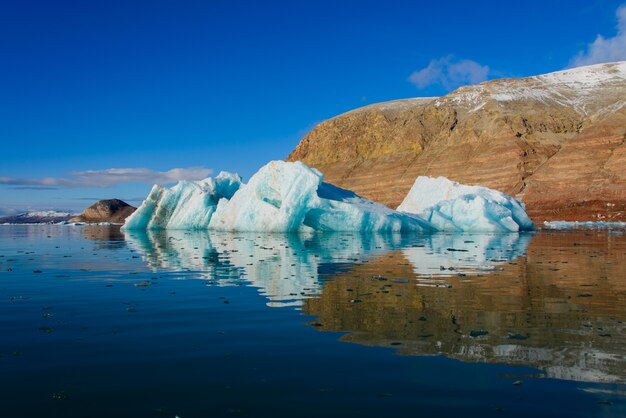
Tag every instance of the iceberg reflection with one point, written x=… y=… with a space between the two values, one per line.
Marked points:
x=286 y=268
x=446 y=255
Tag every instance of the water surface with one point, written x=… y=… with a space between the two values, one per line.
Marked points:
x=98 y=323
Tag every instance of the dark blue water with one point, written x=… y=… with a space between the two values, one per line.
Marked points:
x=95 y=323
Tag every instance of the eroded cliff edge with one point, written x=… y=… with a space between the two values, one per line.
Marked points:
x=555 y=141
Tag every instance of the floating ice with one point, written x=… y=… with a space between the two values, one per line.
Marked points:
x=187 y=205
x=450 y=206
x=584 y=225
x=284 y=196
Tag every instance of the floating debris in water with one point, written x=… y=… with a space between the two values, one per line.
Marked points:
x=142 y=284
x=60 y=396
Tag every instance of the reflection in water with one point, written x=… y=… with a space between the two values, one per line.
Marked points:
x=288 y=268
x=285 y=267
x=448 y=255
x=554 y=301
x=560 y=309
x=105 y=237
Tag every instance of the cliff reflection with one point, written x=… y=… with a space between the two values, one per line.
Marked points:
x=560 y=308
x=555 y=301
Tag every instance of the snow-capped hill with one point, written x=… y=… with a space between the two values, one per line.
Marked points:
x=47 y=214
x=590 y=89
x=588 y=77
x=554 y=141
x=35 y=217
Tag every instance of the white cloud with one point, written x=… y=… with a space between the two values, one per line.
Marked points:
x=449 y=73
x=111 y=177
x=8 y=211
x=605 y=49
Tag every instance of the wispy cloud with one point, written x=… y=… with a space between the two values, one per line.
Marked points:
x=605 y=49
x=8 y=211
x=109 y=178
x=31 y=187
x=95 y=199
x=450 y=73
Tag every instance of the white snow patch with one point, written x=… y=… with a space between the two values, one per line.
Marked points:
x=571 y=88
x=47 y=214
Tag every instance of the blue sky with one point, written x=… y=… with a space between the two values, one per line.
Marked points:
x=147 y=87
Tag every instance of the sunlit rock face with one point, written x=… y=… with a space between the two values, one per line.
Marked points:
x=554 y=141
x=454 y=207
x=110 y=210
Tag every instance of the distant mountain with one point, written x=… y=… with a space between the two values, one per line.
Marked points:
x=555 y=141
x=49 y=216
x=111 y=210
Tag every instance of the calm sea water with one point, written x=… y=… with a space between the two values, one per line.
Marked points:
x=98 y=323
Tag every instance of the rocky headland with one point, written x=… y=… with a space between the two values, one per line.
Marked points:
x=110 y=210
x=556 y=141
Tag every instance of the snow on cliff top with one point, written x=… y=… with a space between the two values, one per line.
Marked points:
x=47 y=214
x=593 y=88
x=604 y=84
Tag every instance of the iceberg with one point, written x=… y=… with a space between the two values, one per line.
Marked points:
x=290 y=196
x=187 y=205
x=455 y=207
x=280 y=197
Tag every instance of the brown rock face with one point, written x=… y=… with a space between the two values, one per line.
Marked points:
x=111 y=210
x=556 y=141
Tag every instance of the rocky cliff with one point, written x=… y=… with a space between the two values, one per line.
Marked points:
x=111 y=210
x=555 y=141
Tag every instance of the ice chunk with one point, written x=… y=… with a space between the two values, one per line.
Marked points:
x=584 y=225
x=187 y=205
x=285 y=196
x=450 y=206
